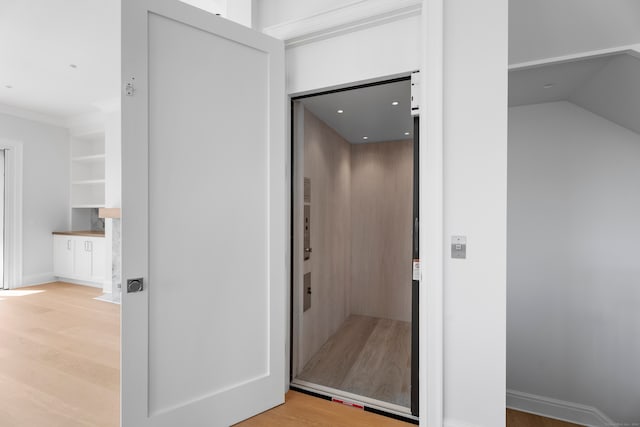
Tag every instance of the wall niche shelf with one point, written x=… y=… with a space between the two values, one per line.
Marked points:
x=88 y=171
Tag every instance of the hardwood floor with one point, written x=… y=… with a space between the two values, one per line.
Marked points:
x=302 y=410
x=60 y=361
x=59 y=357
x=523 y=419
x=367 y=356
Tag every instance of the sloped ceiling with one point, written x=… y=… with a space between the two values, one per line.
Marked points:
x=608 y=86
x=614 y=92
x=549 y=28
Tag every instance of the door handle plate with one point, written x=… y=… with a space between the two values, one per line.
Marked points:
x=135 y=285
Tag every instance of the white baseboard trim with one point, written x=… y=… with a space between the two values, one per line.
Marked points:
x=36 y=279
x=558 y=409
x=81 y=282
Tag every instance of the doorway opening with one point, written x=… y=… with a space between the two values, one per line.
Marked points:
x=354 y=317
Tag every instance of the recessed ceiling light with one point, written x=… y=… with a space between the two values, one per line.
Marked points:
x=548 y=85
x=365 y=137
x=340 y=111
x=407 y=133
x=395 y=103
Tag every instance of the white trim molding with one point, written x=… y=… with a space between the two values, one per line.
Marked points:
x=431 y=300
x=13 y=212
x=37 y=279
x=349 y=17
x=32 y=115
x=559 y=409
x=629 y=49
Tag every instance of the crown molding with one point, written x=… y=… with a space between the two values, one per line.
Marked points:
x=633 y=50
x=85 y=124
x=32 y=115
x=353 y=16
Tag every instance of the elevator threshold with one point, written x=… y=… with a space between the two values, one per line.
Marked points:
x=360 y=402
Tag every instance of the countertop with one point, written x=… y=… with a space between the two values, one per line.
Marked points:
x=86 y=233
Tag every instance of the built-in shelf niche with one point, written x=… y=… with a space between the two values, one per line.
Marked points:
x=88 y=171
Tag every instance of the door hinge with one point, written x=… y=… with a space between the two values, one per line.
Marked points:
x=129 y=90
x=415 y=93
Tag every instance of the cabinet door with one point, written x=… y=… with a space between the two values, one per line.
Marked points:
x=83 y=258
x=63 y=247
x=99 y=260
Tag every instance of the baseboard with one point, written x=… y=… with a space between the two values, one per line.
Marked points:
x=81 y=282
x=36 y=279
x=559 y=409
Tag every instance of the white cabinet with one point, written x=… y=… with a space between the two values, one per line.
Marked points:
x=83 y=258
x=98 y=259
x=80 y=258
x=63 y=255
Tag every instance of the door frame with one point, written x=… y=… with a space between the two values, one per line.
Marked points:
x=12 y=213
x=296 y=133
x=432 y=237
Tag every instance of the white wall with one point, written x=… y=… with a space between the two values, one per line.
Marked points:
x=548 y=28
x=46 y=191
x=372 y=53
x=475 y=192
x=574 y=224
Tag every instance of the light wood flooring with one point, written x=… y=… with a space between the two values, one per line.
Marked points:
x=522 y=419
x=303 y=410
x=59 y=357
x=367 y=356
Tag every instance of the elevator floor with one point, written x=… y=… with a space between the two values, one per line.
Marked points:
x=367 y=356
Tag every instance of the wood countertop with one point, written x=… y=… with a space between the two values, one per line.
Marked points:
x=86 y=233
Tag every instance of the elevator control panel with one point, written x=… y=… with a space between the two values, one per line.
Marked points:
x=459 y=247
x=307 y=219
x=306 y=292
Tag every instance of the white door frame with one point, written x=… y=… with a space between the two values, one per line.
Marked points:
x=432 y=239
x=13 y=213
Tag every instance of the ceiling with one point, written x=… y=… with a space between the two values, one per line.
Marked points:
x=367 y=112
x=40 y=39
x=528 y=86
x=608 y=86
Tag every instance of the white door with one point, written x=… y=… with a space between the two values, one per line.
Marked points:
x=203 y=218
